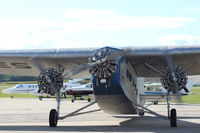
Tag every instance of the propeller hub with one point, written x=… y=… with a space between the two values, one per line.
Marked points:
x=104 y=67
x=174 y=79
x=50 y=81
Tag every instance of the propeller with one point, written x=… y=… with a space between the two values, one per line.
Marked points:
x=50 y=81
x=101 y=64
x=174 y=78
x=105 y=64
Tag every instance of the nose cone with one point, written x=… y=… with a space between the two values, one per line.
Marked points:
x=7 y=91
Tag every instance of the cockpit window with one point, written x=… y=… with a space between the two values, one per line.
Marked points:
x=19 y=86
x=89 y=86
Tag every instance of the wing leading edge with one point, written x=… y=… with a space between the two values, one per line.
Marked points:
x=187 y=57
x=22 y=62
x=29 y=62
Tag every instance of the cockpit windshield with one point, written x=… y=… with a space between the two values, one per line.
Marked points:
x=19 y=86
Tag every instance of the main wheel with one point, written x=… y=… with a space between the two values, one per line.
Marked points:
x=155 y=102
x=141 y=112
x=72 y=100
x=173 y=119
x=53 y=118
x=89 y=99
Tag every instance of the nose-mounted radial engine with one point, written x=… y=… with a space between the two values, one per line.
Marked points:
x=174 y=79
x=50 y=81
x=104 y=67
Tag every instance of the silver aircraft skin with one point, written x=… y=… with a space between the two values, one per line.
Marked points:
x=23 y=89
x=117 y=74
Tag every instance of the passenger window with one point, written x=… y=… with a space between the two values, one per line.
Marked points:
x=129 y=76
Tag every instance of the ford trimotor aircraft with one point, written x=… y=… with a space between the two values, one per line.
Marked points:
x=116 y=74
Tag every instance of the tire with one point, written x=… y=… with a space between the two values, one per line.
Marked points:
x=89 y=100
x=72 y=100
x=141 y=112
x=173 y=119
x=53 y=118
x=155 y=102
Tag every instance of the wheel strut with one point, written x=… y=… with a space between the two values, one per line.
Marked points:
x=171 y=113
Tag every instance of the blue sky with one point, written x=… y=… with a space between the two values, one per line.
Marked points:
x=26 y=24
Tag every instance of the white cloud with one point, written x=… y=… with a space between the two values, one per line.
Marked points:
x=182 y=39
x=89 y=14
x=106 y=19
x=41 y=33
x=193 y=9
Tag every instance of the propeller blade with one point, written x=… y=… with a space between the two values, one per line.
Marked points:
x=186 y=89
x=169 y=61
x=171 y=67
x=37 y=63
x=84 y=67
x=78 y=69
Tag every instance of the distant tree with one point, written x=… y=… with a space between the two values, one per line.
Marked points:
x=6 y=78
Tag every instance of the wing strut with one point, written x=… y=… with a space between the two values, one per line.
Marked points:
x=150 y=111
x=153 y=68
x=78 y=110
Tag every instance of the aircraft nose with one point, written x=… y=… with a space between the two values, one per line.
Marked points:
x=6 y=91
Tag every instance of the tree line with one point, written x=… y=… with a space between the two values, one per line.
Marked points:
x=7 y=78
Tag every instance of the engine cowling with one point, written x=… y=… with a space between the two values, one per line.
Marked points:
x=174 y=79
x=104 y=68
x=50 y=81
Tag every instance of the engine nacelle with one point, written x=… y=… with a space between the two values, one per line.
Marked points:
x=174 y=79
x=50 y=81
x=104 y=68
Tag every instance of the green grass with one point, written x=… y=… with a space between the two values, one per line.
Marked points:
x=193 y=98
x=11 y=84
x=5 y=86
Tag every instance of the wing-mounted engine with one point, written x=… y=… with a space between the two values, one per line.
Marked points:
x=105 y=64
x=50 y=81
x=174 y=79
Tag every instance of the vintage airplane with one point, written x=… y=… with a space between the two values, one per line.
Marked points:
x=79 y=91
x=23 y=89
x=115 y=74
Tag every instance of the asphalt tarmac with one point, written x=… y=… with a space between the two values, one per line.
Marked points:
x=31 y=115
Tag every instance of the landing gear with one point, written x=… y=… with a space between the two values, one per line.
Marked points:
x=141 y=112
x=50 y=81
x=40 y=98
x=72 y=100
x=81 y=98
x=89 y=99
x=173 y=119
x=171 y=113
x=54 y=114
x=155 y=102
x=53 y=118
